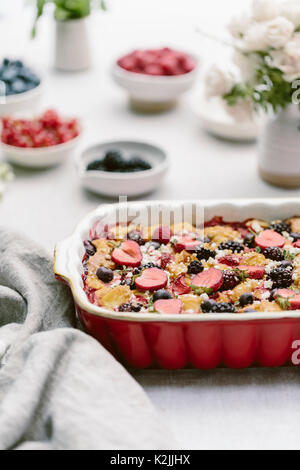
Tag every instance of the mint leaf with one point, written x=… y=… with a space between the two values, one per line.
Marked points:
x=198 y=290
x=242 y=275
x=283 y=302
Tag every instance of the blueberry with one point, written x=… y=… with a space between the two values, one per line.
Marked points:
x=249 y=240
x=295 y=236
x=19 y=86
x=138 y=164
x=136 y=236
x=286 y=264
x=105 y=274
x=155 y=245
x=208 y=305
x=90 y=249
x=161 y=294
x=249 y=310
x=246 y=299
x=96 y=165
x=113 y=160
x=10 y=74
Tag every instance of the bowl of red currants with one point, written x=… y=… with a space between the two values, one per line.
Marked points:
x=41 y=141
x=155 y=78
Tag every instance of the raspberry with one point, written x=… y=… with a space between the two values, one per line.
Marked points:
x=230 y=280
x=274 y=253
x=281 y=277
x=235 y=247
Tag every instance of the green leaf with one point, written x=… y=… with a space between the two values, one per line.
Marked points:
x=288 y=256
x=40 y=4
x=242 y=275
x=198 y=290
x=283 y=302
x=258 y=249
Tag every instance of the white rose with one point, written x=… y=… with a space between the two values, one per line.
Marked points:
x=239 y=25
x=264 y=10
x=278 y=32
x=291 y=10
x=218 y=81
x=255 y=38
x=288 y=59
x=247 y=64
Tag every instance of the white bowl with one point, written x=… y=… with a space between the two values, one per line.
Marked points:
x=42 y=157
x=21 y=101
x=149 y=89
x=213 y=117
x=123 y=184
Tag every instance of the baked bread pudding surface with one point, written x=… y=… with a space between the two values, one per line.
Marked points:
x=240 y=267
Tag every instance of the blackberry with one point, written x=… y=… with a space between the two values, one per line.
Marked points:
x=136 y=236
x=145 y=266
x=161 y=294
x=210 y=306
x=130 y=307
x=137 y=164
x=281 y=277
x=125 y=282
x=274 y=253
x=195 y=267
x=235 y=247
x=249 y=240
x=280 y=227
x=125 y=308
x=246 y=299
x=96 y=165
x=286 y=265
x=205 y=253
x=230 y=280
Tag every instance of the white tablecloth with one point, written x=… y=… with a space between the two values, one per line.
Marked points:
x=204 y=409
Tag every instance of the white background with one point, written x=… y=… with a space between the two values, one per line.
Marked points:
x=218 y=409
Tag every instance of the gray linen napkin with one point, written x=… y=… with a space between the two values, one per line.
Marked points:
x=59 y=389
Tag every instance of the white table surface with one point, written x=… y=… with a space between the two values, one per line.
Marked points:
x=248 y=409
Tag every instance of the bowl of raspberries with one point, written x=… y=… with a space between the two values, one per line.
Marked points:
x=155 y=78
x=122 y=168
x=41 y=141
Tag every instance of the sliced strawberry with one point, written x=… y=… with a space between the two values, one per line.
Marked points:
x=168 y=306
x=165 y=260
x=127 y=254
x=212 y=278
x=162 y=234
x=179 y=286
x=230 y=260
x=284 y=293
x=268 y=238
x=152 y=279
x=186 y=243
x=295 y=302
x=254 y=272
x=297 y=244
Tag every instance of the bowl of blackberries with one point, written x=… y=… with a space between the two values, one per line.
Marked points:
x=20 y=86
x=122 y=168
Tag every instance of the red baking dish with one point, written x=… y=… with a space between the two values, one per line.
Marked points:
x=176 y=341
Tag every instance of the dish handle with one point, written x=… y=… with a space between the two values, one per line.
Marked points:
x=60 y=262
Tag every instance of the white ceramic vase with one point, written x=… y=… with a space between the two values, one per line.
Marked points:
x=72 y=46
x=279 y=148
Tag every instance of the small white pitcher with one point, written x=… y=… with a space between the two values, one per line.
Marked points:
x=72 y=48
x=279 y=148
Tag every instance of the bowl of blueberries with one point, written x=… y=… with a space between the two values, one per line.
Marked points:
x=122 y=168
x=20 y=87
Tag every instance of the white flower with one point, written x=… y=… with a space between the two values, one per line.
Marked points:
x=241 y=111
x=255 y=38
x=247 y=64
x=288 y=59
x=291 y=10
x=218 y=81
x=239 y=25
x=278 y=32
x=264 y=10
